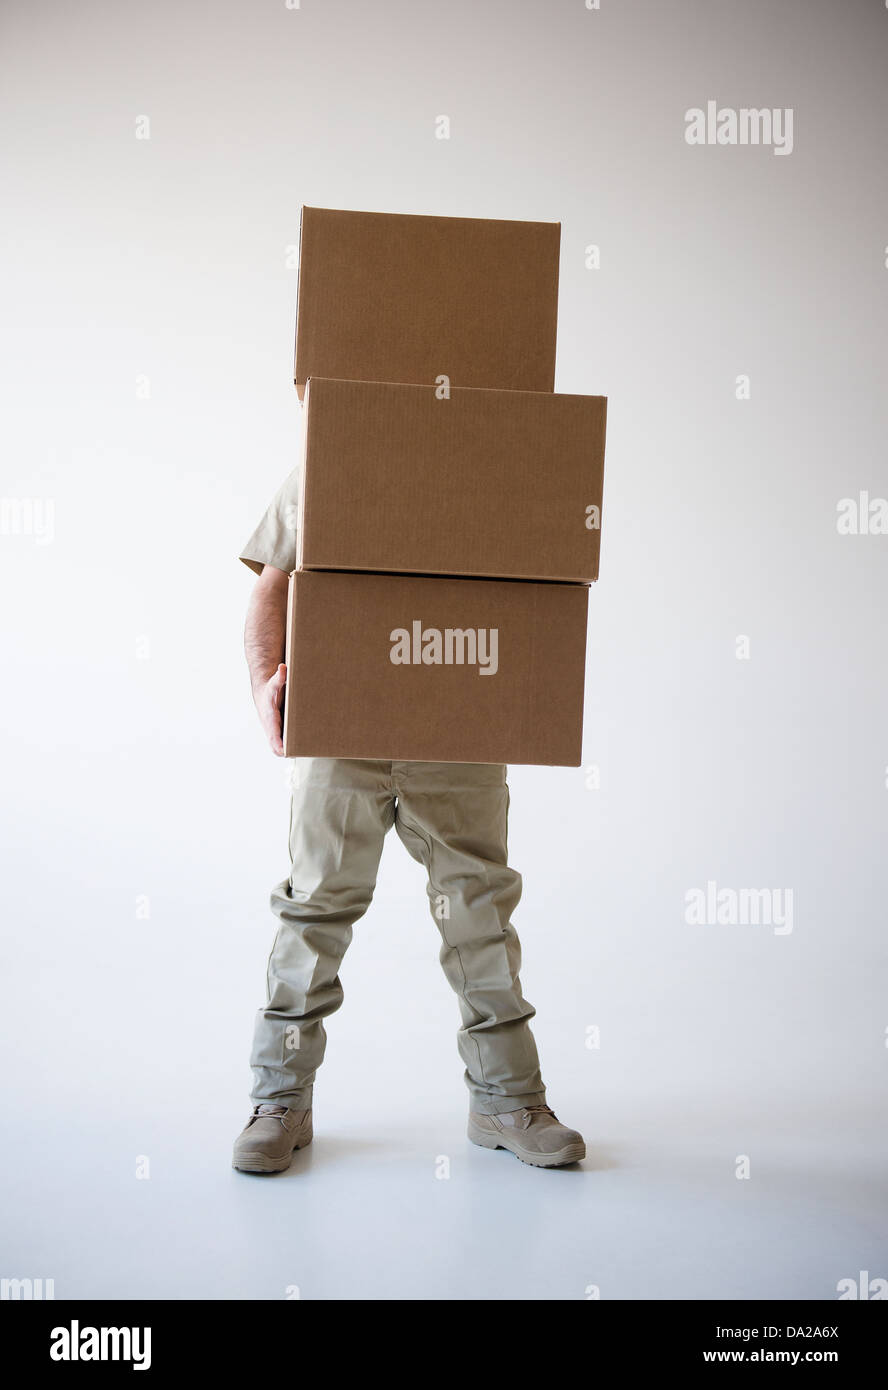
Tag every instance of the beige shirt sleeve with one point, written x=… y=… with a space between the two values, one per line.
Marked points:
x=274 y=541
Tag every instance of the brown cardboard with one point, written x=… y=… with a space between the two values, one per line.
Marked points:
x=487 y=483
x=346 y=699
x=399 y=297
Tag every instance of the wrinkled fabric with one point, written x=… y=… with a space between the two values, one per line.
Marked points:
x=275 y=539
x=453 y=819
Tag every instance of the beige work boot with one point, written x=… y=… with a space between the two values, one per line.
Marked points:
x=271 y=1134
x=534 y=1133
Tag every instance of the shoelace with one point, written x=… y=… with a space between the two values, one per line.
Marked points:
x=531 y=1110
x=267 y=1111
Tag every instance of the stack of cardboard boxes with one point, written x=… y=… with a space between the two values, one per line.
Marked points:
x=449 y=521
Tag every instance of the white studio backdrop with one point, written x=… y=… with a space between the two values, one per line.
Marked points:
x=154 y=163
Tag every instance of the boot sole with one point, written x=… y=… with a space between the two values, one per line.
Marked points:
x=571 y=1153
x=265 y=1163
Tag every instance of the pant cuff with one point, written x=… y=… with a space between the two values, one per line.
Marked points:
x=294 y=1100
x=500 y=1105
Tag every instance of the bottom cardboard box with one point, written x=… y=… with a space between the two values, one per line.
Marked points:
x=418 y=668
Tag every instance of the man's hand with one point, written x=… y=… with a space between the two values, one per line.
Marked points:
x=264 y=645
x=269 y=700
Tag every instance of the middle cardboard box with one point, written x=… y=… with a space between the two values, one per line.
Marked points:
x=485 y=483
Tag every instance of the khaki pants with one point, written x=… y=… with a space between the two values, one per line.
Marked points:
x=453 y=818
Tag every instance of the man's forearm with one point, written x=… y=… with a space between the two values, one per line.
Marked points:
x=265 y=631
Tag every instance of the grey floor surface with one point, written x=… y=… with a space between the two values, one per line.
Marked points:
x=389 y=1206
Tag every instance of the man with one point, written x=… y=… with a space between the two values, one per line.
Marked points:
x=452 y=817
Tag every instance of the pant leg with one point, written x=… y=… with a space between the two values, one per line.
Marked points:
x=453 y=818
x=340 y=812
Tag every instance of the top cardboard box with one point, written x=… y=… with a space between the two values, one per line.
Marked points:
x=399 y=297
